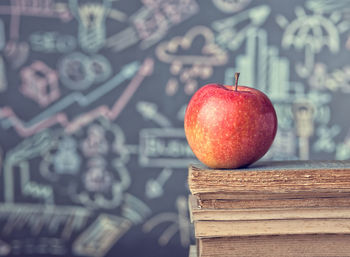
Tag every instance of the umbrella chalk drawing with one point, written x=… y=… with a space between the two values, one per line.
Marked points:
x=311 y=34
x=231 y=6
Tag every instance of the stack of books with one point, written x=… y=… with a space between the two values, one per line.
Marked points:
x=291 y=208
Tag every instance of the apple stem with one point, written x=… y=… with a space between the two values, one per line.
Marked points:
x=236 y=79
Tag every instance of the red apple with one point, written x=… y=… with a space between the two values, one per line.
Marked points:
x=229 y=126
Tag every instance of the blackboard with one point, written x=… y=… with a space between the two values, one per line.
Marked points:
x=92 y=99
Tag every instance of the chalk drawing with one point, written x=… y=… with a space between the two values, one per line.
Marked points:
x=101 y=235
x=310 y=33
x=26 y=150
x=2 y=35
x=112 y=113
x=33 y=189
x=149 y=111
x=179 y=223
x=17 y=53
x=3 y=79
x=97 y=179
x=5 y=248
x=52 y=42
x=63 y=221
x=343 y=149
x=152 y=22
x=200 y=64
x=100 y=67
x=96 y=142
x=92 y=27
x=40 y=83
x=262 y=67
x=231 y=6
x=337 y=80
x=154 y=187
x=42 y=8
x=232 y=31
x=134 y=209
x=53 y=114
x=325 y=138
x=284 y=146
x=304 y=119
x=181 y=113
x=74 y=70
x=164 y=147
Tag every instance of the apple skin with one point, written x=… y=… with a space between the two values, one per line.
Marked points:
x=228 y=129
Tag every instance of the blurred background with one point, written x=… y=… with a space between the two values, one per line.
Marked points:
x=92 y=99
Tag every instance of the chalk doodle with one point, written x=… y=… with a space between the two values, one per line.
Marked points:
x=27 y=149
x=262 y=67
x=3 y=79
x=343 y=149
x=149 y=111
x=40 y=83
x=231 y=6
x=2 y=35
x=65 y=161
x=337 y=80
x=52 y=42
x=284 y=146
x=310 y=33
x=304 y=119
x=232 y=31
x=151 y=23
x=92 y=28
x=79 y=72
x=53 y=114
x=154 y=187
x=16 y=53
x=179 y=223
x=164 y=147
x=189 y=66
x=101 y=235
x=325 y=138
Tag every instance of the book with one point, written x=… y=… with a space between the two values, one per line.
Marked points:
x=209 y=228
x=273 y=184
x=198 y=213
x=323 y=245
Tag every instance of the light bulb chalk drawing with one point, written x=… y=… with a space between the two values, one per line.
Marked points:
x=54 y=113
x=190 y=67
x=231 y=6
x=179 y=223
x=232 y=31
x=154 y=187
x=310 y=33
x=40 y=83
x=92 y=28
